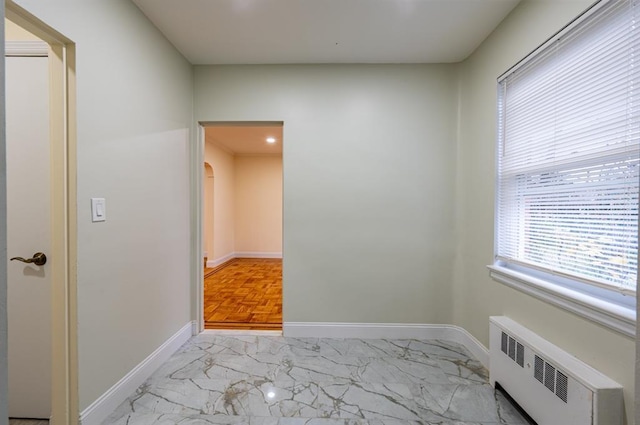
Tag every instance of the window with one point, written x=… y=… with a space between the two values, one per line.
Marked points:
x=569 y=167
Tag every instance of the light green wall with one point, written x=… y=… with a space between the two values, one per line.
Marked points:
x=368 y=182
x=134 y=121
x=475 y=295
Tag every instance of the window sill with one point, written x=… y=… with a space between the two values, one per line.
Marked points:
x=619 y=318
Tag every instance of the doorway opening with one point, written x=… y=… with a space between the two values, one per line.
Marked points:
x=41 y=65
x=242 y=196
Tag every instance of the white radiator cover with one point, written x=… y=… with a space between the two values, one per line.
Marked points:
x=551 y=385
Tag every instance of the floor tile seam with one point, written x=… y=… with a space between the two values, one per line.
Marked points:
x=410 y=357
x=319 y=412
x=269 y=358
x=320 y=384
x=346 y=356
x=404 y=340
x=224 y=415
x=269 y=371
x=221 y=350
x=471 y=380
x=416 y=395
x=310 y=341
x=333 y=420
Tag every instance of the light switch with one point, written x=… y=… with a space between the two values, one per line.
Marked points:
x=98 y=209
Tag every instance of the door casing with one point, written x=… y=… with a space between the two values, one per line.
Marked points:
x=62 y=62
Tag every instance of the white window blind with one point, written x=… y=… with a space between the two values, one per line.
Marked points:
x=568 y=153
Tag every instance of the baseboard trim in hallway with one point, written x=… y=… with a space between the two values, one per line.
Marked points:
x=254 y=254
x=243 y=254
x=211 y=270
x=450 y=333
x=100 y=409
x=218 y=261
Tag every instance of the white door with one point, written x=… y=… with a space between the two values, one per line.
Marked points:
x=28 y=232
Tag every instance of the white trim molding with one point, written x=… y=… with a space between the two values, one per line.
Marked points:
x=216 y=262
x=243 y=254
x=100 y=409
x=26 y=48
x=250 y=254
x=449 y=333
x=613 y=316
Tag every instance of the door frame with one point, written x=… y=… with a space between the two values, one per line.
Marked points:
x=197 y=212
x=197 y=206
x=63 y=139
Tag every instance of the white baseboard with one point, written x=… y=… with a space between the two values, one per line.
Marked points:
x=221 y=260
x=249 y=254
x=242 y=254
x=100 y=409
x=470 y=342
x=389 y=330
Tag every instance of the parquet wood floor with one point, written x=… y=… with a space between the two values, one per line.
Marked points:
x=244 y=293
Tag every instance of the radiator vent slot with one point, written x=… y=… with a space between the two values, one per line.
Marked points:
x=551 y=378
x=520 y=354
x=512 y=348
x=538 y=369
x=562 y=384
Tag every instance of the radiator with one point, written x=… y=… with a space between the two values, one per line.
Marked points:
x=551 y=385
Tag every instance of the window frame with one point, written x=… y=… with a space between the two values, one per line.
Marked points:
x=607 y=307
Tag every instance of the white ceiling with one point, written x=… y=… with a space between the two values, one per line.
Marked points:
x=247 y=139
x=325 y=31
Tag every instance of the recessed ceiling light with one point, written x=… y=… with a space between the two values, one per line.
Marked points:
x=271 y=140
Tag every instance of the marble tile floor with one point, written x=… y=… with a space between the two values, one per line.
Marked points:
x=271 y=380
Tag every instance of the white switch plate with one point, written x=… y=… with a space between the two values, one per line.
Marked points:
x=98 y=209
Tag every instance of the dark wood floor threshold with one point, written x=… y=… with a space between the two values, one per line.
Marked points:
x=243 y=326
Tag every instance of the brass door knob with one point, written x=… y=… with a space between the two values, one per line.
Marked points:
x=39 y=259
